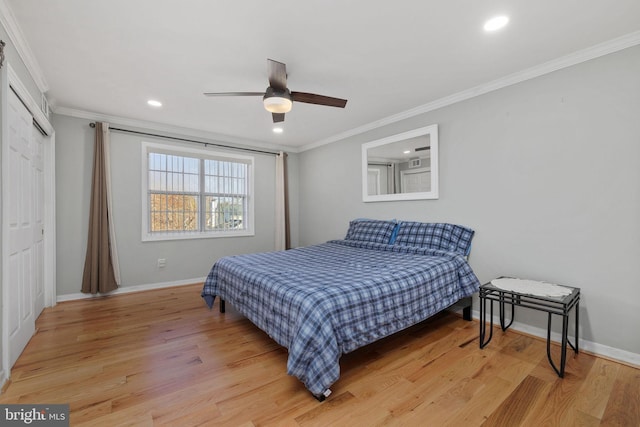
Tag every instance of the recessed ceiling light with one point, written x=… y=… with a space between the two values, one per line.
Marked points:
x=496 y=23
x=278 y=130
x=407 y=151
x=154 y=103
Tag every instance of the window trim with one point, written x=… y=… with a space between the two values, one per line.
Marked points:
x=201 y=153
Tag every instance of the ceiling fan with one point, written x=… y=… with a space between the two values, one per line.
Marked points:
x=278 y=99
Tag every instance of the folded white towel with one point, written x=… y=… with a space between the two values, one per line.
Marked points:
x=531 y=287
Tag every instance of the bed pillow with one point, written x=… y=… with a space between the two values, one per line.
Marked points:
x=371 y=230
x=447 y=237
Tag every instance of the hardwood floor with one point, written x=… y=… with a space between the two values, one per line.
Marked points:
x=162 y=358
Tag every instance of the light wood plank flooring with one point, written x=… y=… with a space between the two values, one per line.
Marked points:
x=162 y=358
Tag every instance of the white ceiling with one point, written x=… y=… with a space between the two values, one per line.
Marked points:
x=110 y=57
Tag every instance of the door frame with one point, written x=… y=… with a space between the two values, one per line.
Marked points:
x=11 y=82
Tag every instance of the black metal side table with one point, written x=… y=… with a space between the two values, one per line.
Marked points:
x=549 y=304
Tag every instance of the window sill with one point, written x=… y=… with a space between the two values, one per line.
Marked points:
x=160 y=237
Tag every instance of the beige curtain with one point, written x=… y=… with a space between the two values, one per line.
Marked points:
x=283 y=238
x=106 y=139
x=99 y=275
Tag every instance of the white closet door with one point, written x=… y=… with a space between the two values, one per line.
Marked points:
x=416 y=181
x=23 y=253
x=37 y=168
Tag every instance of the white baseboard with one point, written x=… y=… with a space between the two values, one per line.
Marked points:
x=601 y=350
x=128 y=289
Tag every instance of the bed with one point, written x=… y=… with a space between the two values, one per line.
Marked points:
x=329 y=299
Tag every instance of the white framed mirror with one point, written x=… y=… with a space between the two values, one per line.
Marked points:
x=401 y=167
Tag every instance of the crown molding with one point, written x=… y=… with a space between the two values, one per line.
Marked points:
x=31 y=104
x=170 y=129
x=10 y=24
x=575 y=58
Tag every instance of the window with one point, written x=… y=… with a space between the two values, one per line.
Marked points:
x=191 y=193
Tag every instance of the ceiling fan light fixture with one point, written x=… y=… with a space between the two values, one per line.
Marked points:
x=277 y=104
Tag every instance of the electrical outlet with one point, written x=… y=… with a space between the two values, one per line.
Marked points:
x=161 y=262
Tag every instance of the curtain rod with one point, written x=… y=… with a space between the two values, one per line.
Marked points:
x=93 y=125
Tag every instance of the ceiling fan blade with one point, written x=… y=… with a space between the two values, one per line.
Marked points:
x=234 y=93
x=312 y=98
x=278 y=117
x=277 y=75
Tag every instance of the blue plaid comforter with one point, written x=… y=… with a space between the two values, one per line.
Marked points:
x=329 y=299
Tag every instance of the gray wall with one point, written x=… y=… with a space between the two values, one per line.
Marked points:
x=185 y=259
x=546 y=171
